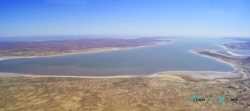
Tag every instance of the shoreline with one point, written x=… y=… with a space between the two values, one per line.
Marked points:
x=228 y=48
x=150 y=75
x=93 y=51
x=234 y=54
x=6 y=74
x=230 y=51
x=236 y=67
x=224 y=47
x=231 y=64
x=200 y=76
x=177 y=76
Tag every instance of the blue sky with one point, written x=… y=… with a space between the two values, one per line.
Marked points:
x=125 y=17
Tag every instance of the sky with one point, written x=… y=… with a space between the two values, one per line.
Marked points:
x=210 y=18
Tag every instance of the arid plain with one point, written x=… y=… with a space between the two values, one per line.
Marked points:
x=165 y=91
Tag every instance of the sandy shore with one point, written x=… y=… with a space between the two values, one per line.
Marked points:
x=233 y=65
x=199 y=76
x=176 y=76
x=5 y=74
x=93 y=51
x=226 y=48
x=234 y=54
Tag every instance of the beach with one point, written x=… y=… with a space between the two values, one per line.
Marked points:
x=233 y=65
x=226 y=48
x=199 y=76
x=234 y=54
x=91 y=51
x=238 y=68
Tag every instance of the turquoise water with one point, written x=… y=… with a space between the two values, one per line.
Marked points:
x=139 y=61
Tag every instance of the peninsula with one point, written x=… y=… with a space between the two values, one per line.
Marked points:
x=57 y=47
x=239 y=46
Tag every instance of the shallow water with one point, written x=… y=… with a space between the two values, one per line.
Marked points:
x=139 y=61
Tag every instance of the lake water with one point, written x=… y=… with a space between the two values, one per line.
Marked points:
x=138 y=61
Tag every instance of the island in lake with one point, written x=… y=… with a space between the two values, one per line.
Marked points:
x=238 y=46
x=162 y=91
